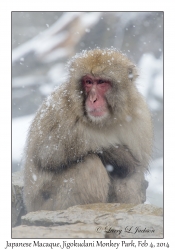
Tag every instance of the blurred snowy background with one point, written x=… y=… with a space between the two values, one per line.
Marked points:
x=42 y=42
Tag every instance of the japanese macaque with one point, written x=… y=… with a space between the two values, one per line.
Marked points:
x=91 y=139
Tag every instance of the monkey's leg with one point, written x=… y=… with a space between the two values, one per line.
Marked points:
x=83 y=183
x=131 y=189
x=86 y=182
x=39 y=189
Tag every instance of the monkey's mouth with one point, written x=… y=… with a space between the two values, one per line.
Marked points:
x=98 y=112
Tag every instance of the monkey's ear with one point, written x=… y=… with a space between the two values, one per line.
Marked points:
x=132 y=72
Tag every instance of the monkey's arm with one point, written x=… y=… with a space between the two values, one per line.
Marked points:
x=128 y=184
x=121 y=159
x=58 y=151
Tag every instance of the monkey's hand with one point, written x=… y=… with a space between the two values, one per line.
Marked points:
x=119 y=161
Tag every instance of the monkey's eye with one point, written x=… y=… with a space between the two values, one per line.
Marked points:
x=88 y=81
x=101 y=81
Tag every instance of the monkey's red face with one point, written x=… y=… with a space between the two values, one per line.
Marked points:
x=95 y=89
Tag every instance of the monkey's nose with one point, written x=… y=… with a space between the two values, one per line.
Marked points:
x=93 y=96
x=93 y=99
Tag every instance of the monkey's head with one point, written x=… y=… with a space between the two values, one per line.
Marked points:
x=103 y=80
